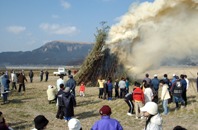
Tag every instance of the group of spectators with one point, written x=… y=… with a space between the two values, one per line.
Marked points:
x=64 y=96
x=143 y=99
x=150 y=111
x=106 y=88
x=5 y=84
x=13 y=79
x=146 y=93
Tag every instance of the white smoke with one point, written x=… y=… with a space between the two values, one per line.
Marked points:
x=152 y=33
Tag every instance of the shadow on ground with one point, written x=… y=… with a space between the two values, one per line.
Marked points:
x=84 y=115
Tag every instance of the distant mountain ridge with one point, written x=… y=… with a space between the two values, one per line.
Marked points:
x=52 y=53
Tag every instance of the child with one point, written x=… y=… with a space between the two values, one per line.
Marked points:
x=82 y=89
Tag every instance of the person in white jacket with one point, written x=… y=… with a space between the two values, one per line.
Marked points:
x=154 y=120
x=59 y=81
x=51 y=93
x=148 y=93
x=164 y=97
x=13 y=80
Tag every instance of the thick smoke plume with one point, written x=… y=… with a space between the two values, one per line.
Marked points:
x=152 y=34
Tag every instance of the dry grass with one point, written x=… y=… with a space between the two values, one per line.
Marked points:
x=22 y=109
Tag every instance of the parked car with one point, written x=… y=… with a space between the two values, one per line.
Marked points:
x=61 y=71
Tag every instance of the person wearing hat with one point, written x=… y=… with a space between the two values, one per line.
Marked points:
x=106 y=123
x=179 y=128
x=74 y=124
x=174 y=79
x=40 y=122
x=154 y=120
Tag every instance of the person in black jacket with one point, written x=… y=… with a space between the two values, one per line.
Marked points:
x=66 y=103
x=31 y=75
x=60 y=112
x=176 y=91
x=69 y=103
x=129 y=100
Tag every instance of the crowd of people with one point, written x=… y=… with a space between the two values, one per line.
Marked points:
x=142 y=100
x=16 y=79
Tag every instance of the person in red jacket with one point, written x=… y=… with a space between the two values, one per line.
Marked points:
x=82 y=89
x=138 y=97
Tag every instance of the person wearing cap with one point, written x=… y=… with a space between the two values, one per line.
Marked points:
x=155 y=86
x=74 y=124
x=40 y=122
x=106 y=123
x=179 y=128
x=154 y=120
x=174 y=79
x=51 y=93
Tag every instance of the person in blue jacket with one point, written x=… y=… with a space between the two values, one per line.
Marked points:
x=110 y=88
x=71 y=83
x=106 y=123
x=155 y=87
x=4 y=81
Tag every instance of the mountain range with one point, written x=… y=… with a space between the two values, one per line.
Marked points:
x=52 y=53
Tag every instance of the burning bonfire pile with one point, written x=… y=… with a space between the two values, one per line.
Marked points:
x=99 y=62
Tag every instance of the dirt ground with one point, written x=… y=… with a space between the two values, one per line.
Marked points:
x=22 y=109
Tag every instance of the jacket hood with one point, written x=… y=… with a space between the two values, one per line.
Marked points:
x=157 y=119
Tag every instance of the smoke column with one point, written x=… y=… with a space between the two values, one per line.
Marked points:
x=151 y=34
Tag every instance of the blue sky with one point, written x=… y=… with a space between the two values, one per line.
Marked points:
x=28 y=24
